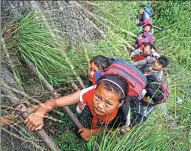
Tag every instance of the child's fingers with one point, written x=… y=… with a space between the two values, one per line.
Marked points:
x=39 y=127
x=33 y=127
x=80 y=130
x=26 y=120
x=86 y=138
x=30 y=125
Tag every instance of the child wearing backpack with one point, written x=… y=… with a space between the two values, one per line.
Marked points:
x=145 y=15
x=144 y=38
x=143 y=52
x=156 y=92
x=152 y=66
x=98 y=63
x=103 y=102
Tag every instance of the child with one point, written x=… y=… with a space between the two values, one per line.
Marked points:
x=144 y=16
x=103 y=102
x=143 y=38
x=98 y=63
x=153 y=66
x=142 y=52
x=142 y=108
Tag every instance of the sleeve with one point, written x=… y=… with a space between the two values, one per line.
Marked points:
x=158 y=75
x=139 y=64
x=84 y=91
x=135 y=52
x=142 y=63
x=128 y=118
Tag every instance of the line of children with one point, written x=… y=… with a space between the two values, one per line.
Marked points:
x=151 y=64
x=107 y=102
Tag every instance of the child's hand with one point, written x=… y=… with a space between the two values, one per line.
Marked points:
x=34 y=121
x=85 y=133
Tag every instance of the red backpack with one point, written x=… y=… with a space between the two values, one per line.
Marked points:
x=147 y=39
x=134 y=77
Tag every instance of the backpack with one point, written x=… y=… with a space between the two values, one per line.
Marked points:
x=139 y=57
x=147 y=39
x=149 y=10
x=134 y=77
x=165 y=92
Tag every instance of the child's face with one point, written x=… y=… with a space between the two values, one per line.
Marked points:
x=91 y=70
x=157 y=66
x=147 y=50
x=147 y=28
x=141 y=10
x=140 y=36
x=105 y=102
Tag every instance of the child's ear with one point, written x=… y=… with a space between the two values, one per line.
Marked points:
x=121 y=103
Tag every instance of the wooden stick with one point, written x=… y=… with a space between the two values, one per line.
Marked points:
x=51 y=89
x=42 y=134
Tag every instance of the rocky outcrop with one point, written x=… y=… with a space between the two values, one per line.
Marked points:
x=71 y=18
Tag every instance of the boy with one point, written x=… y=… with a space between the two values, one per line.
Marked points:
x=144 y=16
x=142 y=52
x=144 y=38
x=152 y=66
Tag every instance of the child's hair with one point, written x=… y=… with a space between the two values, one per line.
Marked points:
x=100 y=61
x=150 y=25
x=154 y=89
x=163 y=60
x=141 y=33
x=115 y=83
x=142 y=6
x=148 y=44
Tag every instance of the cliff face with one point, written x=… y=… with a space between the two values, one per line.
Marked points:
x=70 y=17
x=75 y=22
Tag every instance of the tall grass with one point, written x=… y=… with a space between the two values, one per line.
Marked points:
x=32 y=41
x=168 y=128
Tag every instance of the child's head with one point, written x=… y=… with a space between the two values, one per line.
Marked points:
x=141 y=9
x=160 y=63
x=140 y=35
x=147 y=49
x=110 y=94
x=98 y=63
x=154 y=90
x=147 y=27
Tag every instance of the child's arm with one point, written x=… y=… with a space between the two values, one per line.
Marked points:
x=35 y=120
x=87 y=133
x=134 y=53
x=142 y=63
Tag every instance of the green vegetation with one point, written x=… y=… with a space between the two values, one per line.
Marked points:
x=168 y=128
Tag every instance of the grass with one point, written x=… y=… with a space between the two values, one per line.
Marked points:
x=52 y=57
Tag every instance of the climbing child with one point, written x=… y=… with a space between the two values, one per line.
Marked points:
x=145 y=15
x=142 y=52
x=144 y=38
x=98 y=63
x=103 y=102
x=152 y=66
x=156 y=92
